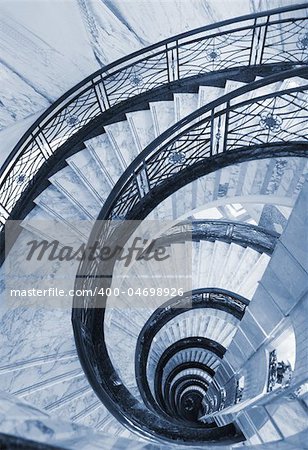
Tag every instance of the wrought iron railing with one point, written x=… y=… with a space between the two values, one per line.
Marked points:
x=242 y=233
x=217 y=131
x=229 y=130
x=274 y=37
x=220 y=299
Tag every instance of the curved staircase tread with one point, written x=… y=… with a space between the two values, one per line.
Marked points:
x=184 y=104
x=69 y=183
x=122 y=142
x=85 y=166
x=162 y=116
x=41 y=364
x=142 y=128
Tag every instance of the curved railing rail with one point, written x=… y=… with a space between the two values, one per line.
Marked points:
x=227 y=131
x=267 y=38
x=246 y=234
x=229 y=302
x=233 y=123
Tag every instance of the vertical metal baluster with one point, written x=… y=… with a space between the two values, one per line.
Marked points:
x=258 y=40
x=178 y=59
x=226 y=127
x=252 y=42
x=136 y=181
x=172 y=62
x=142 y=181
x=99 y=97
x=257 y=45
x=264 y=39
x=212 y=132
x=145 y=168
x=43 y=144
x=167 y=61
x=104 y=93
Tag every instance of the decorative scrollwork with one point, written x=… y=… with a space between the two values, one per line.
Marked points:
x=21 y=178
x=136 y=80
x=302 y=42
x=212 y=48
x=213 y=54
x=271 y=122
x=177 y=158
x=243 y=123
x=72 y=120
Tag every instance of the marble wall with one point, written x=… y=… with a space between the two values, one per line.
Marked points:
x=280 y=300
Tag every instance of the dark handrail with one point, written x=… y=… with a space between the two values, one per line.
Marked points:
x=181 y=130
x=87 y=320
x=229 y=302
x=245 y=234
x=161 y=63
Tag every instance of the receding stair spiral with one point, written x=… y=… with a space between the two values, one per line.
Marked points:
x=95 y=341
x=163 y=368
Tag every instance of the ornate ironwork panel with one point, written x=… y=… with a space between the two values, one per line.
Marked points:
x=279 y=117
x=277 y=36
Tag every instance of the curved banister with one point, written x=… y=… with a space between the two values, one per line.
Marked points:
x=242 y=233
x=128 y=182
x=229 y=302
x=87 y=319
x=129 y=186
x=170 y=60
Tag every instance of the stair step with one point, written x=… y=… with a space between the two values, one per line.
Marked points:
x=122 y=141
x=110 y=163
x=42 y=224
x=206 y=252
x=162 y=115
x=164 y=211
x=235 y=180
x=208 y=94
x=293 y=170
x=232 y=85
x=249 y=284
x=89 y=172
x=184 y=104
x=142 y=128
x=77 y=411
x=233 y=258
x=182 y=202
x=25 y=379
x=244 y=267
x=96 y=418
x=206 y=188
x=253 y=177
x=221 y=258
x=216 y=263
x=59 y=207
x=71 y=186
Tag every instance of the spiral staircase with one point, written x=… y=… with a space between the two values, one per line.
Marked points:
x=208 y=348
